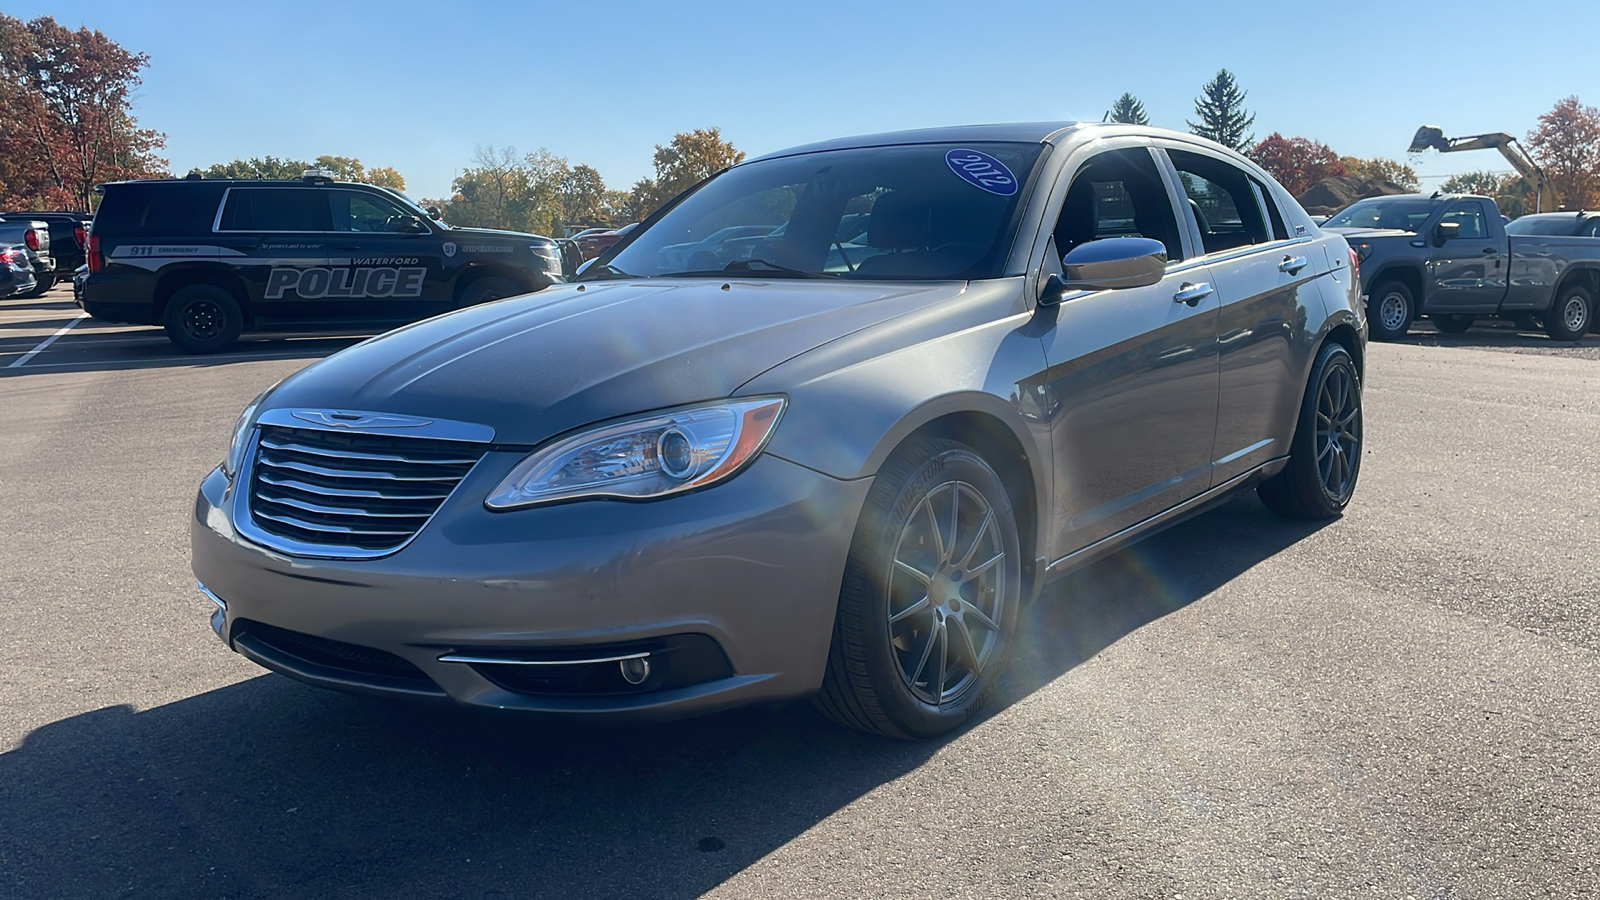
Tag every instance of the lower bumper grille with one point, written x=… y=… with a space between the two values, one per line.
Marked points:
x=364 y=663
x=677 y=661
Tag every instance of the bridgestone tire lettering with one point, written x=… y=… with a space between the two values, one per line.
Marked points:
x=317 y=282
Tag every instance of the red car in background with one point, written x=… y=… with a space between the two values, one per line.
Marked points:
x=593 y=244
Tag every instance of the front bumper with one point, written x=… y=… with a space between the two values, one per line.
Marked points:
x=753 y=564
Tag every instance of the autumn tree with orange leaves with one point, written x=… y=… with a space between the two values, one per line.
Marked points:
x=1567 y=146
x=65 y=119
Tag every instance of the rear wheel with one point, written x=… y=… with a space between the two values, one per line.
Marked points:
x=929 y=598
x=1570 y=316
x=1450 y=324
x=1325 y=457
x=487 y=289
x=46 y=281
x=1390 y=310
x=203 y=318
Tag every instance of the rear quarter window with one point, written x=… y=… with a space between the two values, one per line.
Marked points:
x=170 y=210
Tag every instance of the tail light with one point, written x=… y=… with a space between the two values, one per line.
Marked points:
x=81 y=234
x=7 y=256
x=94 y=260
x=31 y=239
x=1355 y=267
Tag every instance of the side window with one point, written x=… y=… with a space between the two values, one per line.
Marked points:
x=1223 y=201
x=364 y=212
x=1592 y=228
x=276 y=209
x=1469 y=215
x=1279 y=232
x=1118 y=194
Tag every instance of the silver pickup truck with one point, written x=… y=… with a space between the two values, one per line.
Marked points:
x=1454 y=259
x=35 y=236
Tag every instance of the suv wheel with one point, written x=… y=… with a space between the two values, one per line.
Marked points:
x=1325 y=457
x=1570 y=316
x=930 y=595
x=488 y=289
x=203 y=318
x=1390 y=310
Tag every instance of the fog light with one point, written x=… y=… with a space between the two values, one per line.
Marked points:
x=636 y=670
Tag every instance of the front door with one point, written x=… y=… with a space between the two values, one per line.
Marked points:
x=1466 y=274
x=1131 y=383
x=381 y=270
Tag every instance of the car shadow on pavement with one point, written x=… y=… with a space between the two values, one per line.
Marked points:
x=268 y=788
x=1494 y=335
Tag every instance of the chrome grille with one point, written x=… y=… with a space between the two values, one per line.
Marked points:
x=369 y=492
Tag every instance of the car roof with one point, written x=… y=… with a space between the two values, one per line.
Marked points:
x=1564 y=213
x=247 y=182
x=1016 y=132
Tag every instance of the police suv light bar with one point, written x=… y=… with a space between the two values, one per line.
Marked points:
x=317 y=175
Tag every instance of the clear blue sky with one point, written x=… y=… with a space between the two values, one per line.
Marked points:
x=418 y=85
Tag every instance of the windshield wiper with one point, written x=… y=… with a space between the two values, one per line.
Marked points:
x=765 y=265
x=605 y=271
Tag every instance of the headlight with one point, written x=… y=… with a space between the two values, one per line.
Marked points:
x=644 y=457
x=241 y=432
x=550 y=254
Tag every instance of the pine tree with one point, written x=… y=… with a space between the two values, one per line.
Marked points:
x=1223 y=117
x=1127 y=110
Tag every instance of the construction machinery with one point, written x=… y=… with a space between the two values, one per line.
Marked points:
x=1431 y=137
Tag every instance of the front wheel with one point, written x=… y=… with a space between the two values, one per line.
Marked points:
x=488 y=289
x=1451 y=324
x=1570 y=316
x=930 y=595
x=1325 y=455
x=1390 y=310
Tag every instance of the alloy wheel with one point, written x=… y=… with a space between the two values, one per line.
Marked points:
x=946 y=587
x=1338 y=432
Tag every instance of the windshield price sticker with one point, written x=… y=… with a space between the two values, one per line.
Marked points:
x=981 y=170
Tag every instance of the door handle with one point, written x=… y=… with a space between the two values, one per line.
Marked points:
x=1292 y=264
x=1489 y=251
x=1191 y=293
x=344 y=248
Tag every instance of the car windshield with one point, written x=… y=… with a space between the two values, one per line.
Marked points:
x=1546 y=225
x=1404 y=213
x=908 y=212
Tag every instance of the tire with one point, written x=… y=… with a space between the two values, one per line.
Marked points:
x=1571 y=316
x=1390 y=310
x=487 y=289
x=1451 y=324
x=47 y=280
x=1304 y=489
x=881 y=675
x=203 y=318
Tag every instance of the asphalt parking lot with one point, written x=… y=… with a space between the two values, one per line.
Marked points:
x=1403 y=703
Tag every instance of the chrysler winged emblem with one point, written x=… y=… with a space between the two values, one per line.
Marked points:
x=337 y=419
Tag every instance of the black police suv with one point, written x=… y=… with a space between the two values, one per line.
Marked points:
x=207 y=258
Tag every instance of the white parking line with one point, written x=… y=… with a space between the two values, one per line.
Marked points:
x=46 y=342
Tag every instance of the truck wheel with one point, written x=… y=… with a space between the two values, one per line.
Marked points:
x=1390 y=310
x=1450 y=324
x=203 y=318
x=929 y=598
x=486 y=289
x=1325 y=456
x=1569 y=317
x=46 y=281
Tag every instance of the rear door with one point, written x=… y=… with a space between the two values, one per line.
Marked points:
x=281 y=234
x=382 y=272
x=1264 y=276
x=1467 y=274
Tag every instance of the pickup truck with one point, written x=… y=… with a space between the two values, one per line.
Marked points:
x=1453 y=258
x=34 y=235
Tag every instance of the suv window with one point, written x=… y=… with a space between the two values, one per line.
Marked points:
x=1592 y=228
x=1469 y=215
x=276 y=209
x=364 y=212
x=1118 y=194
x=172 y=210
x=1222 y=200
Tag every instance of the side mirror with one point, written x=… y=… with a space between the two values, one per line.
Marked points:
x=412 y=225
x=1108 y=264
x=434 y=213
x=587 y=264
x=1445 y=231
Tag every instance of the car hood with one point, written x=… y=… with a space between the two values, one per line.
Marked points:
x=534 y=366
x=1366 y=234
x=493 y=232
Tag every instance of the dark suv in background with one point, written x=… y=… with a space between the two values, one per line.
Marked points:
x=207 y=259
